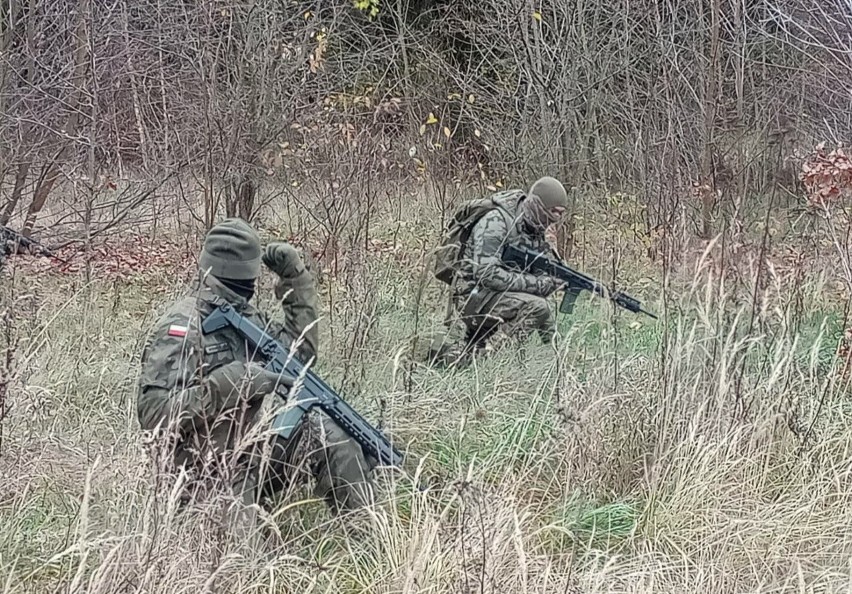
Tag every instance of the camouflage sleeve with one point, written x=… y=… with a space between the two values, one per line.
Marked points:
x=177 y=389
x=487 y=240
x=298 y=297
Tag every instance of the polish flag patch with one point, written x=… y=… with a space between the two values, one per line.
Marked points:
x=175 y=330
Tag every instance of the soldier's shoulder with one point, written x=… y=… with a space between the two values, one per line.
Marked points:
x=169 y=336
x=495 y=221
x=185 y=306
x=508 y=200
x=180 y=314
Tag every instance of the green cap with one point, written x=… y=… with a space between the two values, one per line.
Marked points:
x=551 y=192
x=231 y=250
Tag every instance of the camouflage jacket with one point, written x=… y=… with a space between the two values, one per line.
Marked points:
x=482 y=266
x=177 y=360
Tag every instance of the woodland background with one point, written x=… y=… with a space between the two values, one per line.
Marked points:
x=703 y=111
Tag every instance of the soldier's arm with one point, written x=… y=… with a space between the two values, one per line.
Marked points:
x=298 y=297
x=175 y=391
x=487 y=240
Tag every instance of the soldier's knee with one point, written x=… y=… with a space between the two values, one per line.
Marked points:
x=343 y=474
x=538 y=309
x=345 y=457
x=333 y=435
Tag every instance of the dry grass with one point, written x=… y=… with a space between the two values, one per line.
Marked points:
x=667 y=458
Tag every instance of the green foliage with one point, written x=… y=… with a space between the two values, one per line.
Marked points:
x=371 y=7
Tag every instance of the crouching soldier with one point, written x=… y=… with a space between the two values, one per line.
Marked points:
x=487 y=293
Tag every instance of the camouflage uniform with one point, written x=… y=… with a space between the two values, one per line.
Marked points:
x=490 y=294
x=208 y=402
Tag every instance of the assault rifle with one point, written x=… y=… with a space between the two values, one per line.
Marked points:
x=279 y=360
x=575 y=281
x=8 y=235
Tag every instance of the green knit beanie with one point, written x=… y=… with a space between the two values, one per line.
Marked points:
x=231 y=250
x=551 y=192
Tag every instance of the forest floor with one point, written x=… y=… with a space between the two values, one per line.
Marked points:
x=709 y=451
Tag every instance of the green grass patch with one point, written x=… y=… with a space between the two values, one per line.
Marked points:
x=582 y=523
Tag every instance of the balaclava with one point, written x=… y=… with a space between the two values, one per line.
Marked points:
x=545 y=194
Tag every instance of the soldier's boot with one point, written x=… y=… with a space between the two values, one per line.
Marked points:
x=547 y=334
x=443 y=352
x=241 y=515
x=459 y=354
x=477 y=340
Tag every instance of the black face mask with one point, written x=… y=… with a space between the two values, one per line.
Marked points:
x=243 y=288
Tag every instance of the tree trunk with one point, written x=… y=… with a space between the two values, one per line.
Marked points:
x=51 y=171
x=17 y=190
x=7 y=156
x=8 y=22
x=46 y=181
x=245 y=199
x=134 y=89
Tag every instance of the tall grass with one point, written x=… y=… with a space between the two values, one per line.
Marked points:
x=708 y=452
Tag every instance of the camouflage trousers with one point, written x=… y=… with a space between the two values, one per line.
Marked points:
x=322 y=450
x=519 y=315
x=253 y=467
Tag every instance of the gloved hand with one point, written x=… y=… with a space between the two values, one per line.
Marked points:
x=227 y=383
x=548 y=285
x=262 y=381
x=283 y=259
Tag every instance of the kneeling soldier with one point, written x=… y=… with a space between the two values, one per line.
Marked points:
x=206 y=400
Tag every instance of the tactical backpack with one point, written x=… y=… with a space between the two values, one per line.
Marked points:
x=451 y=249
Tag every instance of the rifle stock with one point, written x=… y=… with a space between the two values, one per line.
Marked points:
x=317 y=393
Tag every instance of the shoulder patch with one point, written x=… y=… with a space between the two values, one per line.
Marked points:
x=176 y=330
